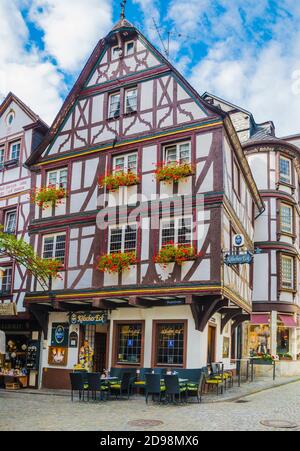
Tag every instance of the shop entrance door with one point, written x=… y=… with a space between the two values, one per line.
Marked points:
x=100 y=352
x=211 y=350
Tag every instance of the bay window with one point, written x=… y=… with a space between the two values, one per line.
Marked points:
x=287 y=272
x=123 y=238
x=286 y=218
x=285 y=170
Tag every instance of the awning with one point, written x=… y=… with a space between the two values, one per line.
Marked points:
x=260 y=319
x=288 y=321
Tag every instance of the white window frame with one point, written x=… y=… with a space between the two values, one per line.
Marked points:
x=2 y=156
x=178 y=151
x=58 y=173
x=282 y=177
x=112 y=115
x=11 y=146
x=54 y=250
x=8 y=268
x=113 y=56
x=126 y=106
x=6 y=216
x=126 y=48
x=126 y=162
x=282 y=226
x=123 y=228
x=285 y=283
x=176 y=219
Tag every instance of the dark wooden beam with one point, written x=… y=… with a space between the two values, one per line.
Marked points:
x=203 y=308
x=138 y=302
x=239 y=320
x=103 y=304
x=41 y=314
x=228 y=315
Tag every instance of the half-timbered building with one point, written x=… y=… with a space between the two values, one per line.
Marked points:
x=130 y=111
x=275 y=165
x=21 y=131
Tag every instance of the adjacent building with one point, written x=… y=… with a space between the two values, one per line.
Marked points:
x=275 y=165
x=21 y=131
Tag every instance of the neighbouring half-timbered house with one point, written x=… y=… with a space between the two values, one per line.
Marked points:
x=275 y=164
x=21 y=131
x=157 y=187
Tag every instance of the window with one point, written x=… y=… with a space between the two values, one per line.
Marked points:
x=6 y=281
x=114 y=105
x=287 y=272
x=130 y=100
x=178 y=152
x=15 y=149
x=177 y=230
x=286 y=218
x=236 y=178
x=10 y=223
x=55 y=247
x=125 y=163
x=123 y=238
x=58 y=178
x=285 y=170
x=115 y=52
x=129 y=48
x=170 y=343
x=283 y=341
x=1 y=157
x=129 y=343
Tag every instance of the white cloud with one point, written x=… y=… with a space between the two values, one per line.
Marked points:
x=253 y=55
x=71 y=28
x=36 y=82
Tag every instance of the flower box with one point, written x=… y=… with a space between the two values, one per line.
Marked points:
x=114 y=181
x=48 y=196
x=173 y=172
x=116 y=263
x=175 y=253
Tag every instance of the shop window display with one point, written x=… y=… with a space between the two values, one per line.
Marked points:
x=260 y=339
x=283 y=343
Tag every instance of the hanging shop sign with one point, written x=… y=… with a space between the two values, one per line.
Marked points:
x=60 y=334
x=245 y=258
x=88 y=318
x=8 y=309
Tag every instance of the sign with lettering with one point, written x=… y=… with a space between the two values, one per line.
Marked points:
x=8 y=309
x=88 y=318
x=238 y=259
x=60 y=334
x=14 y=188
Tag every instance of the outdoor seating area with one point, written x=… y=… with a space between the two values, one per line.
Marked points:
x=158 y=385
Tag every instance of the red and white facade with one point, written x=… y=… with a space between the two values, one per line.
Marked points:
x=131 y=109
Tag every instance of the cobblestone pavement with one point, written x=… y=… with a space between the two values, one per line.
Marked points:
x=20 y=411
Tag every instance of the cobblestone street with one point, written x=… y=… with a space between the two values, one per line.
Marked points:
x=21 y=411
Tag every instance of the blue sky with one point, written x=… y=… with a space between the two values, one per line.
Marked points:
x=246 y=52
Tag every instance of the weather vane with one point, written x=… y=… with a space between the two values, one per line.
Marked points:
x=123 y=6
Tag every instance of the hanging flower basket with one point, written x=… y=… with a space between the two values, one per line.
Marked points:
x=173 y=172
x=114 y=181
x=116 y=263
x=175 y=253
x=48 y=196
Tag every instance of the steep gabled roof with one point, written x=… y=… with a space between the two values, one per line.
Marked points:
x=11 y=97
x=72 y=97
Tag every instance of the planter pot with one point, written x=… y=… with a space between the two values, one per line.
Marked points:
x=262 y=362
